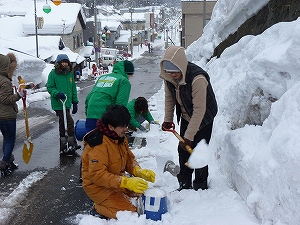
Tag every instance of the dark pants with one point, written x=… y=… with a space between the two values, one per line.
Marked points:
x=70 y=123
x=8 y=130
x=201 y=174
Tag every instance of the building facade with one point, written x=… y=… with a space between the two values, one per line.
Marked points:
x=193 y=15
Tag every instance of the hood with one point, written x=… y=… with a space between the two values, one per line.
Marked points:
x=176 y=55
x=119 y=68
x=4 y=65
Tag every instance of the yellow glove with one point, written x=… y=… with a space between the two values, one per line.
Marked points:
x=135 y=184
x=146 y=174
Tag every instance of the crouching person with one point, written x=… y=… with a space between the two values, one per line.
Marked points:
x=106 y=163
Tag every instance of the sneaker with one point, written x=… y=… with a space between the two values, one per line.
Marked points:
x=198 y=185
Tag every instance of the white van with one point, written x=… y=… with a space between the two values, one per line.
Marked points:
x=107 y=60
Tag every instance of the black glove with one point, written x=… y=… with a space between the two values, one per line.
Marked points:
x=167 y=125
x=75 y=108
x=186 y=142
x=61 y=96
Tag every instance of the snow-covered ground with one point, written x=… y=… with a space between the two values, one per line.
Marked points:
x=253 y=155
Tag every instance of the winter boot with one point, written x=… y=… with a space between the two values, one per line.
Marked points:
x=4 y=168
x=63 y=145
x=12 y=165
x=94 y=212
x=73 y=146
x=184 y=182
x=200 y=181
x=198 y=185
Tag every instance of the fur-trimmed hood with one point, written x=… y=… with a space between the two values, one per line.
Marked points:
x=8 y=65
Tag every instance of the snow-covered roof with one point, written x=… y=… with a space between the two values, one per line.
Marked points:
x=112 y=25
x=124 y=38
x=135 y=16
x=14 y=8
x=48 y=48
x=61 y=19
x=14 y=23
x=46 y=45
x=27 y=65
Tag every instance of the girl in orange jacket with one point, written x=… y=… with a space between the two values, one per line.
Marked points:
x=110 y=173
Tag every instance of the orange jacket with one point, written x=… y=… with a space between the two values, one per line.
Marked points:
x=103 y=166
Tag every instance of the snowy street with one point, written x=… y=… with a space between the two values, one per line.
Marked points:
x=253 y=155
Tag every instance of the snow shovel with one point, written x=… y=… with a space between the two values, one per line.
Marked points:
x=172 y=129
x=66 y=142
x=187 y=147
x=27 y=152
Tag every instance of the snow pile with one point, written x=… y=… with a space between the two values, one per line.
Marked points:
x=226 y=18
x=256 y=140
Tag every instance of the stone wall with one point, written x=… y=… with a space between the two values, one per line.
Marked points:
x=274 y=12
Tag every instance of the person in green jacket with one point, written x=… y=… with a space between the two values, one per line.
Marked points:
x=62 y=87
x=112 y=88
x=138 y=109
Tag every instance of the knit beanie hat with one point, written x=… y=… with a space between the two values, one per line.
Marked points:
x=128 y=67
x=170 y=67
x=62 y=57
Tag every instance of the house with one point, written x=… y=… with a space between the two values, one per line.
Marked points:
x=141 y=23
x=193 y=14
x=66 y=20
x=110 y=33
x=123 y=41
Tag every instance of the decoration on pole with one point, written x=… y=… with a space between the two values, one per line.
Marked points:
x=40 y=22
x=56 y=2
x=47 y=8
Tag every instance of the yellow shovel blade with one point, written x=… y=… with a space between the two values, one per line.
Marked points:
x=26 y=154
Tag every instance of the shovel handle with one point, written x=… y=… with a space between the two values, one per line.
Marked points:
x=172 y=129
x=26 y=116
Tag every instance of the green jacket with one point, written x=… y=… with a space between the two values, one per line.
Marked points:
x=134 y=115
x=113 y=88
x=61 y=82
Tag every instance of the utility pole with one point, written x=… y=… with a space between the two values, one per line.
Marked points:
x=36 y=33
x=204 y=14
x=167 y=38
x=131 y=36
x=96 y=41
